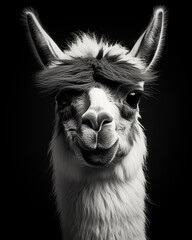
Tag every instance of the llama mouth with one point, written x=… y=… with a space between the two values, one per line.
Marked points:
x=100 y=157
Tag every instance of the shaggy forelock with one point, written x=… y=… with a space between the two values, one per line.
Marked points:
x=83 y=73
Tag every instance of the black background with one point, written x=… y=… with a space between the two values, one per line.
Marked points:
x=28 y=115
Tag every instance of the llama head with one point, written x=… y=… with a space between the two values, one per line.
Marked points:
x=97 y=87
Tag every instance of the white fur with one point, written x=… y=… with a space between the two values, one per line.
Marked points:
x=105 y=203
x=89 y=46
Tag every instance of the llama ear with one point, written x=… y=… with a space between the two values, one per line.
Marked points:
x=43 y=45
x=148 y=46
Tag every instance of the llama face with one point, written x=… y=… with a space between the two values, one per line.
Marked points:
x=101 y=122
x=97 y=113
x=97 y=87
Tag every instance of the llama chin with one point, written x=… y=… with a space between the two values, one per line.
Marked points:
x=98 y=148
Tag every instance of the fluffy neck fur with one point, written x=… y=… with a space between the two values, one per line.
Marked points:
x=103 y=211
x=100 y=204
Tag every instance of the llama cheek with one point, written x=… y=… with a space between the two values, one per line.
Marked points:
x=70 y=125
x=133 y=133
x=69 y=130
x=124 y=149
x=122 y=132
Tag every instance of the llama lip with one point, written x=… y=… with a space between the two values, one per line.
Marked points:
x=100 y=157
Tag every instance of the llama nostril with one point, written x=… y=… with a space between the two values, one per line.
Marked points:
x=104 y=118
x=96 y=121
x=90 y=119
x=88 y=122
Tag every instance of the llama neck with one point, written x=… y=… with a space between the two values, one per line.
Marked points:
x=107 y=208
x=103 y=210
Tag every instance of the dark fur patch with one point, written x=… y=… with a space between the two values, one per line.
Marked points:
x=126 y=112
x=100 y=54
x=112 y=58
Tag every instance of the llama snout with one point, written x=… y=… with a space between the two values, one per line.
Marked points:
x=98 y=140
x=90 y=139
x=96 y=120
x=97 y=123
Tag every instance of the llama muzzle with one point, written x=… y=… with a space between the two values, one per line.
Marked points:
x=100 y=157
x=98 y=147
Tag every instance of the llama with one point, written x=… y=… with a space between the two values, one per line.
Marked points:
x=98 y=148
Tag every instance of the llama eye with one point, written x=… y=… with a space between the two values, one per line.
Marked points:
x=133 y=99
x=62 y=100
